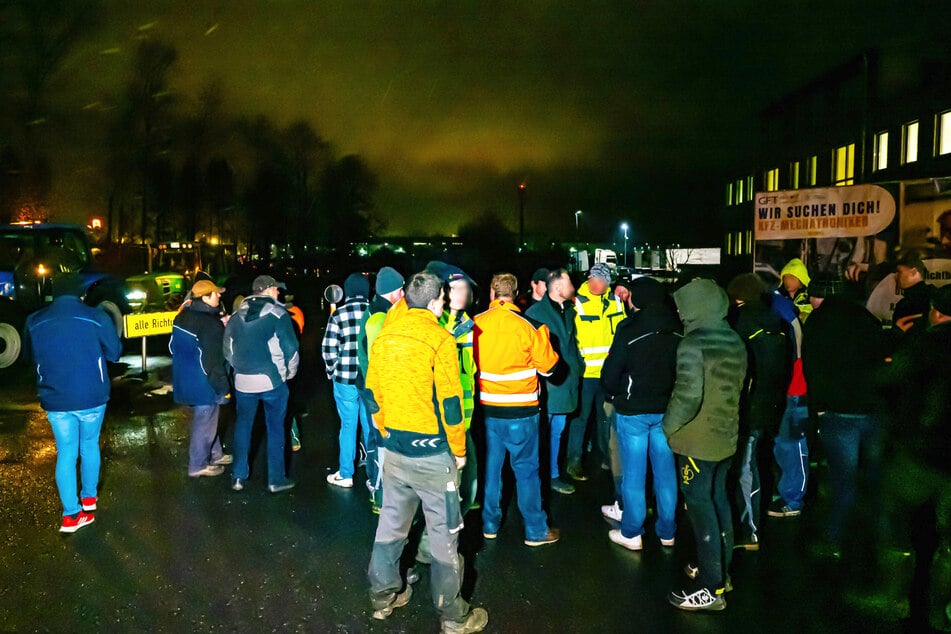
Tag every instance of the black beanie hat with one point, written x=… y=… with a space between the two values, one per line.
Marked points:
x=647 y=292
x=356 y=285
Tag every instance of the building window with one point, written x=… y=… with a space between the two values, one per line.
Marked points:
x=749 y=188
x=739 y=191
x=794 y=175
x=811 y=170
x=880 y=160
x=729 y=194
x=843 y=165
x=771 y=179
x=943 y=133
x=909 y=142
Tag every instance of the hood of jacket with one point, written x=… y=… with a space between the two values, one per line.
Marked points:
x=255 y=306
x=798 y=269
x=701 y=302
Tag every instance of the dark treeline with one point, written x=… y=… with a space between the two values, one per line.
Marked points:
x=174 y=167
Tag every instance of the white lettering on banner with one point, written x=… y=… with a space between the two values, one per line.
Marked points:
x=833 y=212
x=510 y=376
x=488 y=397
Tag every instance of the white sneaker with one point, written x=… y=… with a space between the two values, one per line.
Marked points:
x=335 y=479
x=669 y=543
x=612 y=512
x=631 y=543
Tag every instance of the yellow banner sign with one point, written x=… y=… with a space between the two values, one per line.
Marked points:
x=147 y=324
x=827 y=212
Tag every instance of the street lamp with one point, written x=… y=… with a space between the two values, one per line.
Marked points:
x=577 y=216
x=624 y=228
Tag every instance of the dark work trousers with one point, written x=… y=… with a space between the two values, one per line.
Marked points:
x=592 y=399
x=703 y=484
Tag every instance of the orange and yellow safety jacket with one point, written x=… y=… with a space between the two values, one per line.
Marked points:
x=412 y=387
x=510 y=352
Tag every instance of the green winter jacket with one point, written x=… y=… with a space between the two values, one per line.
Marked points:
x=702 y=418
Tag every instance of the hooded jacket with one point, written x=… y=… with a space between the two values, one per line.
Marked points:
x=260 y=345
x=563 y=385
x=642 y=364
x=800 y=301
x=199 y=375
x=71 y=343
x=702 y=418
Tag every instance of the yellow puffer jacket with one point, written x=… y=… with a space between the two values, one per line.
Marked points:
x=413 y=387
x=597 y=317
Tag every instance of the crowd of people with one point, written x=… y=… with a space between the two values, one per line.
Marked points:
x=713 y=388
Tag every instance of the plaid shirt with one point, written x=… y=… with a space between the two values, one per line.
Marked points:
x=339 y=346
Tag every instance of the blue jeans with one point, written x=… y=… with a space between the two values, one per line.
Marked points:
x=275 y=409
x=351 y=410
x=557 y=423
x=592 y=398
x=792 y=453
x=77 y=437
x=853 y=446
x=639 y=437
x=518 y=436
x=204 y=447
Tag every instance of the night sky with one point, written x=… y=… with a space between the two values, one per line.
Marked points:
x=633 y=111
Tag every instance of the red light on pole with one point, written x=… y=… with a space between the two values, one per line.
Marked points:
x=96 y=223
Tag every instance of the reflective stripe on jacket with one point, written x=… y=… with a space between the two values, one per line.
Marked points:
x=510 y=352
x=597 y=319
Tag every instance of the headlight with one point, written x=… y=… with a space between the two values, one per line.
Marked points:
x=136 y=295
x=41 y=270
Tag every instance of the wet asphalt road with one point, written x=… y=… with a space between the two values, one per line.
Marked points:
x=171 y=553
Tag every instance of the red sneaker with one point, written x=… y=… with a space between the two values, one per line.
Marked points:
x=89 y=504
x=72 y=523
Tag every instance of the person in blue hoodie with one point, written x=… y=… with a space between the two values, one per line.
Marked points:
x=71 y=343
x=200 y=376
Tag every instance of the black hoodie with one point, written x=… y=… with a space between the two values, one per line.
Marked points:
x=642 y=363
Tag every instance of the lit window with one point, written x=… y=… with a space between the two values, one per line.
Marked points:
x=729 y=194
x=909 y=142
x=880 y=160
x=794 y=175
x=772 y=179
x=943 y=133
x=843 y=165
x=739 y=191
x=811 y=171
x=749 y=188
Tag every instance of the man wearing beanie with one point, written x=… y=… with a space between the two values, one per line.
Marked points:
x=598 y=313
x=71 y=343
x=639 y=376
x=339 y=349
x=389 y=291
x=764 y=393
x=911 y=312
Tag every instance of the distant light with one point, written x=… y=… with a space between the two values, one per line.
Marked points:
x=521 y=186
x=96 y=223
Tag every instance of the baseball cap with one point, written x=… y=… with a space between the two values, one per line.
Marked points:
x=263 y=282
x=205 y=287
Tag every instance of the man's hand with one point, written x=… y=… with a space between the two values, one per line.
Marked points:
x=460 y=462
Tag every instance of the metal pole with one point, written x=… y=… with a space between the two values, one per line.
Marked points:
x=145 y=370
x=521 y=216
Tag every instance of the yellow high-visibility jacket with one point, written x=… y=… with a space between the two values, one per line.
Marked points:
x=597 y=317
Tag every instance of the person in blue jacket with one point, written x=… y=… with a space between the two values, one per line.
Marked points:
x=71 y=343
x=200 y=377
